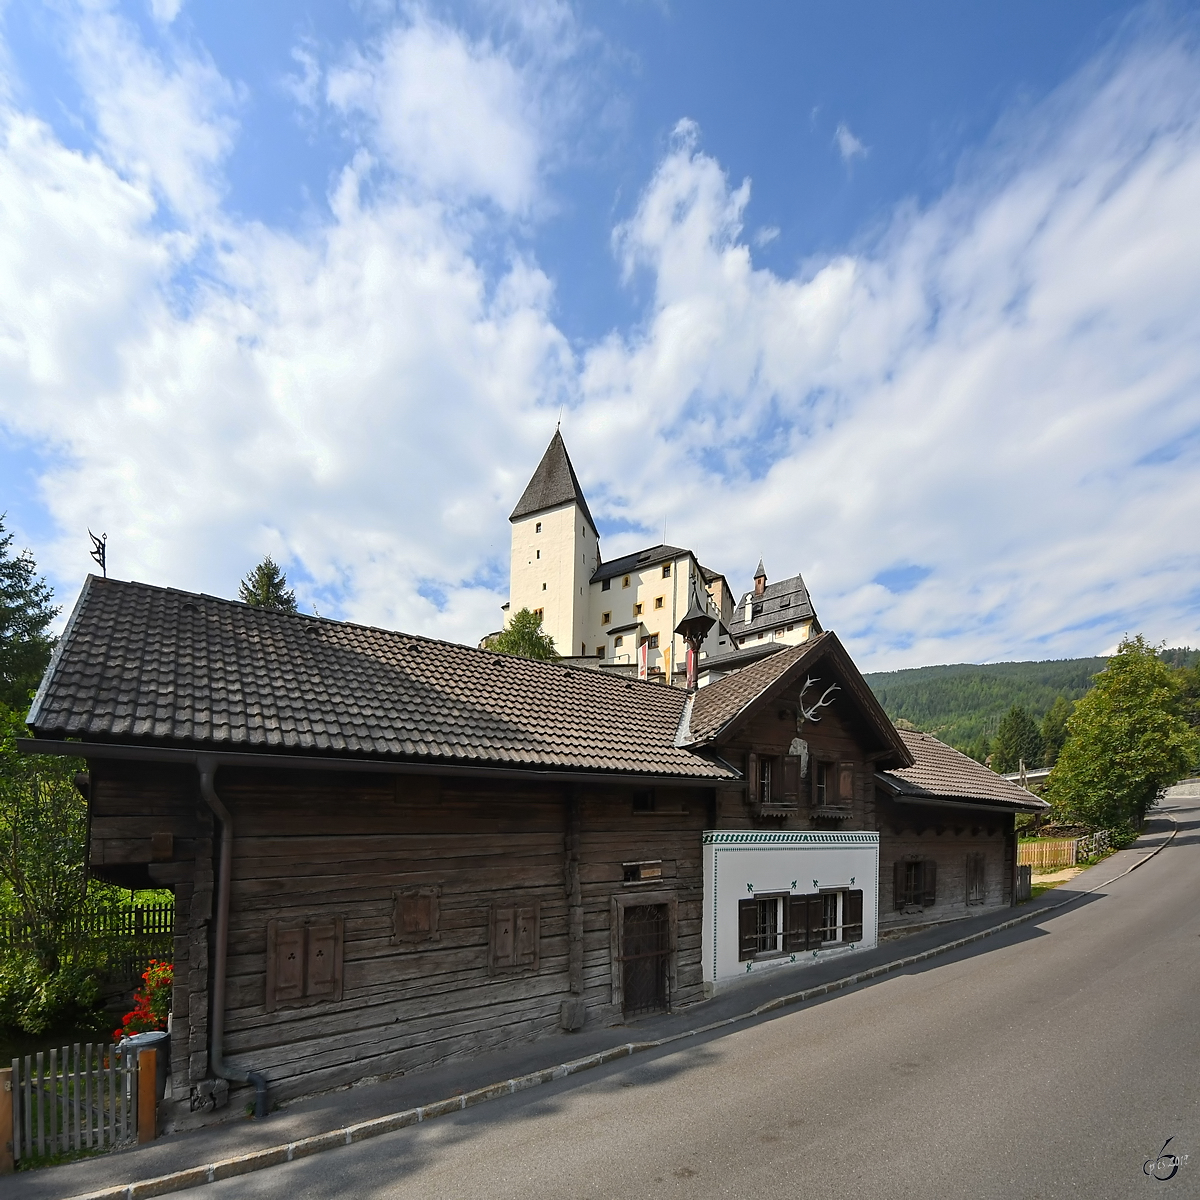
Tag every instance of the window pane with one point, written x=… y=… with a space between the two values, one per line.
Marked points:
x=768 y=925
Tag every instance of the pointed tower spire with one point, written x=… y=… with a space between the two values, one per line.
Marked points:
x=553 y=483
x=760 y=579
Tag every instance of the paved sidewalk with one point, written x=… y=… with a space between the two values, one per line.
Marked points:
x=332 y=1111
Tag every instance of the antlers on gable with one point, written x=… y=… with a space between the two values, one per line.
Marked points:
x=826 y=699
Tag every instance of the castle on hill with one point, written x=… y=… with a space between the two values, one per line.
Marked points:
x=625 y=615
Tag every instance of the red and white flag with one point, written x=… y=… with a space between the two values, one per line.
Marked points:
x=644 y=659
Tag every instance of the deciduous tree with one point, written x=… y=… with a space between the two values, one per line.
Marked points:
x=1054 y=730
x=1128 y=740
x=524 y=637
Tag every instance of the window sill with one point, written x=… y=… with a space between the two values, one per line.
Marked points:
x=837 y=812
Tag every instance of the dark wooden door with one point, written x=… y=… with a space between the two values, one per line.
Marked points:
x=645 y=958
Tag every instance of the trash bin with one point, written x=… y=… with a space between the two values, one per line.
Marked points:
x=160 y=1040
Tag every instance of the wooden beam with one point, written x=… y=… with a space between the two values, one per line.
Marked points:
x=6 y=1122
x=147 y=1098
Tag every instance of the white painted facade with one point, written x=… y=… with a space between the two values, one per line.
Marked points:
x=743 y=863
x=554 y=555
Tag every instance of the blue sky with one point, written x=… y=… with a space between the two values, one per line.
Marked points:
x=902 y=296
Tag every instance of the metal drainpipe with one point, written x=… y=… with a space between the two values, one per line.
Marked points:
x=223 y=1070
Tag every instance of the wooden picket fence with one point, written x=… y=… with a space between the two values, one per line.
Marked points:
x=1061 y=852
x=74 y=1098
x=154 y=923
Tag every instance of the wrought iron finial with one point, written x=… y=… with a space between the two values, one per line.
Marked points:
x=99 y=551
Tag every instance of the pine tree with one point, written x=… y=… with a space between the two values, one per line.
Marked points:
x=25 y=616
x=1129 y=739
x=524 y=637
x=1054 y=730
x=1018 y=739
x=266 y=587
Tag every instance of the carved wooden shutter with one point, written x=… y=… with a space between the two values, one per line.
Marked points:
x=791 y=781
x=285 y=965
x=324 y=960
x=527 y=940
x=747 y=929
x=899 y=888
x=796 y=930
x=929 y=898
x=504 y=918
x=845 y=782
x=752 y=776
x=852 y=917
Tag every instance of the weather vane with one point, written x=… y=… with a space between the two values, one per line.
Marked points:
x=100 y=551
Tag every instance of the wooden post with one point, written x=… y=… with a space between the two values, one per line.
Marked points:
x=147 y=1096
x=7 y=1149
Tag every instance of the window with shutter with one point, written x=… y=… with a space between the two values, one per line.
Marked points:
x=899 y=884
x=747 y=929
x=852 y=917
x=304 y=963
x=515 y=938
x=752 y=775
x=791 y=781
x=820 y=785
x=976 y=883
x=796 y=934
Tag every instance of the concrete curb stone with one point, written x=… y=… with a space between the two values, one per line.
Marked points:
x=257 y=1160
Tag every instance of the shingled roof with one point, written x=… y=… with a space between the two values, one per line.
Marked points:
x=720 y=707
x=940 y=772
x=783 y=602
x=154 y=666
x=553 y=483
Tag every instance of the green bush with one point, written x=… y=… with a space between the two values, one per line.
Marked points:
x=33 y=1000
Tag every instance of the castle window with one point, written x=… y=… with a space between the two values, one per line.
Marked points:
x=543 y=587
x=599 y=651
x=605 y=584
x=606 y=618
x=619 y=640
x=625 y=581
x=538 y=527
x=637 y=609
x=666 y=570
x=539 y=613
x=539 y=554
x=658 y=601
x=652 y=641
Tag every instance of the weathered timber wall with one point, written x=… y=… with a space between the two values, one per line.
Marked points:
x=946 y=836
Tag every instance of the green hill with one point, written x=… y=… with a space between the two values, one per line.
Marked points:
x=960 y=702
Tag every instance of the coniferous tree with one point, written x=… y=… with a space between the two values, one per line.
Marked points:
x=1054 y=730
x=25 y=616
x=1129 y=738
x=524 y=637
x=266 y=587
x=1018 y=739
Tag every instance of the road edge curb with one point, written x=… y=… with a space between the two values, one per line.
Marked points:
x=348 y=1135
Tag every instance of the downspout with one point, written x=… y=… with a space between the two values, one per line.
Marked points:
x=208 y=767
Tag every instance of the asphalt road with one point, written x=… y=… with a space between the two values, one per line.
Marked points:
x=1050 y=1061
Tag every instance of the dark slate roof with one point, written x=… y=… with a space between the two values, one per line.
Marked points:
x=637 y=561
x=783 y=602
x=942 y=773
x=553 y=483
x=720 y=707
x=156 y=666
x=739 y=656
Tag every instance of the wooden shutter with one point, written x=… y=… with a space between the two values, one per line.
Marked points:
x=976 y=889
x=415 y=915
x=816 y=921
x=752 y=776
x=747 y=929
x=852 y=917
x=528 y=938
x=929 y=883
x=845 y=782
x=795 y=932
x=285 y=965
x=791 y=781
x=899 y=884
x=324 y=960
x=504 y=918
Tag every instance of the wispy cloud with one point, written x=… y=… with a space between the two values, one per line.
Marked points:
x=849 y=147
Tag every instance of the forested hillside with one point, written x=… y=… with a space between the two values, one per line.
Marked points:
x=964 y=701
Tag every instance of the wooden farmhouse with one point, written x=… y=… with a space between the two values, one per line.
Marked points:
x=386 y=850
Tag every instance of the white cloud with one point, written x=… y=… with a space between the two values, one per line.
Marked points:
x=849 y=147
x=766 y=235
x=455 y=117
x=165 y=11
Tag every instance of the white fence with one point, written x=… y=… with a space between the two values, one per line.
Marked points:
x=74 y=1098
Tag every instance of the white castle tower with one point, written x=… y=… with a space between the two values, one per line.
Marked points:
x=555 y=551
